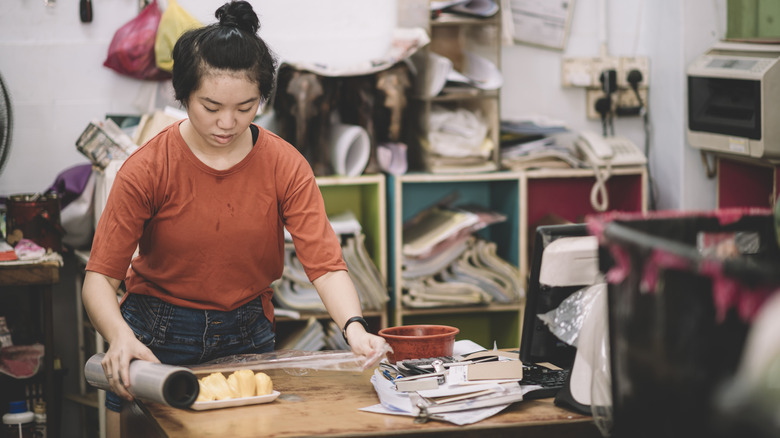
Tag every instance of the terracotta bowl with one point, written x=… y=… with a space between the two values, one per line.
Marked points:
x=419 y=341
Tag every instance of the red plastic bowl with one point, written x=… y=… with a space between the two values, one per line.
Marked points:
x=419 y=341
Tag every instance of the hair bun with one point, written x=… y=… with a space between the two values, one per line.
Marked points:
x=240 y=14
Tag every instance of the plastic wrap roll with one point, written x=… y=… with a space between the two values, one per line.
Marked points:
x=350 y=149
x=170 y=385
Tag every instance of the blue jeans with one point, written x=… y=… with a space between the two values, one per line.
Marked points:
x=183 y=336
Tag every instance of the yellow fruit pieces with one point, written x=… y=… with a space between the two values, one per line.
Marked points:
x=263 y=384
x=240 y=383
x=216 y=384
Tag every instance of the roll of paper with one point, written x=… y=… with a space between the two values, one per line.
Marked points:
x=170 y=385
x=350 y=149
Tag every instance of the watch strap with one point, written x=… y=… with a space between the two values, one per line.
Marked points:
x=359 y=319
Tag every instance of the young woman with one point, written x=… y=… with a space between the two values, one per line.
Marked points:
x=206 y=202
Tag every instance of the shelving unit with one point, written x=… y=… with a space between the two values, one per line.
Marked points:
x=498 y=191
x=525 y=197
x=454 y=36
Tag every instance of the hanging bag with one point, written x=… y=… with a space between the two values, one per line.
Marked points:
x=131 y=51
x=174 y=22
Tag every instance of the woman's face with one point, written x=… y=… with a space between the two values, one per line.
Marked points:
x=222 y=108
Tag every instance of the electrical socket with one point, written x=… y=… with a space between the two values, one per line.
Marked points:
x=576 y=72
x=623 y=98
x=627 y=99
x=591 y=96
x=628 y=63
x=585 y=72
x=599 y=65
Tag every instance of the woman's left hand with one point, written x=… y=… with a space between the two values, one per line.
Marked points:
x=364 y=343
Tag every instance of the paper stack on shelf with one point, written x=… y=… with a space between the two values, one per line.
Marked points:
x=458 y=141
x=536 y=142
x=444 y=264
x=476 y=275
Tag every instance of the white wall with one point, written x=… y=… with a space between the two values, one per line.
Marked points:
x=671 y=33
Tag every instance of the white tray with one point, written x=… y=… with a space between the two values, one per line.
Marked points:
x=231 y=402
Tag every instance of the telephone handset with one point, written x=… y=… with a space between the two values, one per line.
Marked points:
x=609 y=151
x=603 y=154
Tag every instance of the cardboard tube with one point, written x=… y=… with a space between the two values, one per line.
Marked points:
x=170 y=385
x=350 y=149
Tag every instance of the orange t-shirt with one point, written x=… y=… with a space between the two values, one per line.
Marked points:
x=212 y=239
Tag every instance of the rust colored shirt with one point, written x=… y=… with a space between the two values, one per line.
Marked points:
x=212 y=239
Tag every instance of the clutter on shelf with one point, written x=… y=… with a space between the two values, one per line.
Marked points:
x=445 y=264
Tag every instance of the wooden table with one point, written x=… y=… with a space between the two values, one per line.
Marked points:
x=40 y=278
x=327 y=403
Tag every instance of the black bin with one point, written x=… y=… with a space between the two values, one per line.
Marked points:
x=678 y=315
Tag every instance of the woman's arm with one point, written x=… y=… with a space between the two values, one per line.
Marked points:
x=99 y=296
x=341 y=299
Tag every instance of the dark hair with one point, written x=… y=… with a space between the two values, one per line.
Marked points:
x=230 y=44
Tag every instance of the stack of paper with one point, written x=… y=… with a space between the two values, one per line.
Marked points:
x=469 y=392
x=444 y=264
x=536 y=142
x=469 y=273
x=458 y=140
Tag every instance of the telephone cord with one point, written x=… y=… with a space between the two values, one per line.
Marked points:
x=599 y=198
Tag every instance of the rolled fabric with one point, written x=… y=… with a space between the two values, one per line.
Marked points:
x=350 y=149
x=170 y=385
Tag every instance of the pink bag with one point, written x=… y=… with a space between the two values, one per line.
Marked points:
x=131 y=51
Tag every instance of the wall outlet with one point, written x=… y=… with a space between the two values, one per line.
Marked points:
x=585 y=72
x=576 y=72
x=624 y=102
x=626 y=98
x=601 y=64
x=592 y=95
x=639 y=63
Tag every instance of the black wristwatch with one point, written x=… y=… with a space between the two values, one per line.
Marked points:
x=350 y=321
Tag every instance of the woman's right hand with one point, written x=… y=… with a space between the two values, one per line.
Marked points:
x=116 y=362
x=100 y=301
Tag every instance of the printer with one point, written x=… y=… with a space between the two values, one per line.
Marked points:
x=734 y=100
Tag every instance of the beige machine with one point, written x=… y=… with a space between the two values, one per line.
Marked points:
x=733 y=105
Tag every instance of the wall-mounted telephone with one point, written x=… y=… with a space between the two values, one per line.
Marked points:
x=609 y=151
x=603 y=154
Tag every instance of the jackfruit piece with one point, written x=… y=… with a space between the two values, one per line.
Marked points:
x=205 y=393
x=263 y=384
x=242 y=382
x=218 y=385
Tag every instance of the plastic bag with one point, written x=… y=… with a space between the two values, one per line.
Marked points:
x=174 y=22
x=295 y=362
x=131 y=51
